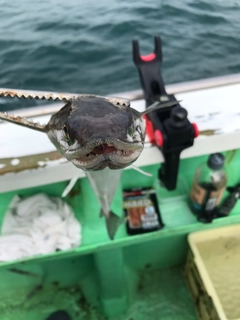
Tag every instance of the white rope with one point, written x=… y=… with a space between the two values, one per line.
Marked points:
x=141 y=171
x=70 y=185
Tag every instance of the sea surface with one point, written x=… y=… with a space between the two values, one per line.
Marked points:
x=86 y=46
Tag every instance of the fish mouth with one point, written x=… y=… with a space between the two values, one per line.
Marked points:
x=101 y=153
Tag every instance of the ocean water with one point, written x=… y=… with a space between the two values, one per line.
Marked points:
x=85 y=46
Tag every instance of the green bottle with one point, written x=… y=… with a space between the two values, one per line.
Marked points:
x=208 y=186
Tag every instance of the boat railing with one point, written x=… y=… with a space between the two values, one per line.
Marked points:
x=138 y=94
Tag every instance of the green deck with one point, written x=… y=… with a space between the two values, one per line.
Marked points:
x=130 y=278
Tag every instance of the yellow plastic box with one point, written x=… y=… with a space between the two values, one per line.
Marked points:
x=213 y=272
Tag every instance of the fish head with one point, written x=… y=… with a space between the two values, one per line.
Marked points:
x=96 y=132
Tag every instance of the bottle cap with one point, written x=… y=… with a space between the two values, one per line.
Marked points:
x=215 y=161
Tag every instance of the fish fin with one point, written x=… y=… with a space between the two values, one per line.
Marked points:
x=101 y=214
x=39 y=95
x=112 y=222
x=23 y=122
x=158 y=105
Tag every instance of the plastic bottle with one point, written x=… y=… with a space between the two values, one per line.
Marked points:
x=208 y=186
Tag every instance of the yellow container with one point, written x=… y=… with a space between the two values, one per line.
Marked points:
x=213 y=272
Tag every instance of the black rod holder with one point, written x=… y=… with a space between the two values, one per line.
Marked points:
x=169 y=128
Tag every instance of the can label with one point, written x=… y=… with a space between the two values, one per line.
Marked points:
x=198 y=196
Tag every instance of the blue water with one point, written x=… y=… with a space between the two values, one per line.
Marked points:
x=85 y=46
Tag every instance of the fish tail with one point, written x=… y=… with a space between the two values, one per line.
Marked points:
x=112 y=223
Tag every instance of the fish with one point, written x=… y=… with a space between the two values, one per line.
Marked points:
x=95 y=134
x=104 y=184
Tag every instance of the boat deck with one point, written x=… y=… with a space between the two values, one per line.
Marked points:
x=133 y=277
x=155 y=299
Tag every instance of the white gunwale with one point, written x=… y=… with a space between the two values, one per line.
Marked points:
x=37 y=163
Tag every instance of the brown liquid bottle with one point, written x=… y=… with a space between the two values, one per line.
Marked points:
x=208 y=186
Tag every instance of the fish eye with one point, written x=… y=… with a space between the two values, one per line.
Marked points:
x=68 y=139
x=65 y=130
x=131 y=130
